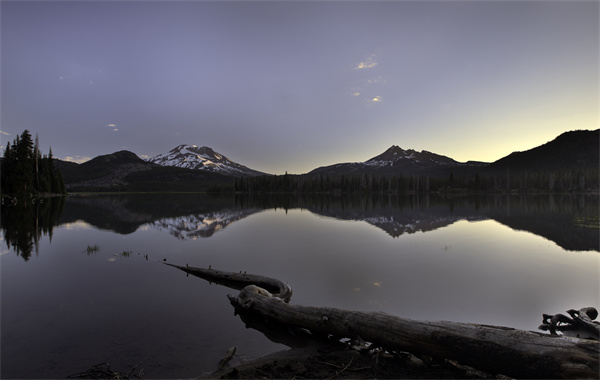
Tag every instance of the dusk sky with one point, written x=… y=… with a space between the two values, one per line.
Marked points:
x=290 y=86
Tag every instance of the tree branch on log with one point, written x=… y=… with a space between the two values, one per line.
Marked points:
x=493 y=349
x=274 y=287
x=580 y=325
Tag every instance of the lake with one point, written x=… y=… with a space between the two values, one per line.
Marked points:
x=83 y=280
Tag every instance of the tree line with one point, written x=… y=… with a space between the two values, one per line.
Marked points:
x=26 y=172
x=576 y=180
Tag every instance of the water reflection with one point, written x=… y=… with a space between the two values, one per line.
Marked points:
x=200 y=225
x=571 y=221
x=481 y=272
x=24 y=223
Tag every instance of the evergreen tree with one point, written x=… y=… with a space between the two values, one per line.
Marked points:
x=24 y=166
x=25 y=171
x=8 y=163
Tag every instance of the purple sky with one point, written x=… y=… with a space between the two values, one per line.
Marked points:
x=291 y=86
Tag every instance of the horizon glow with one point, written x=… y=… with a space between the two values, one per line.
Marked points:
x=292 y=86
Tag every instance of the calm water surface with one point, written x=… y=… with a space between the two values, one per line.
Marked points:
x=82 y=279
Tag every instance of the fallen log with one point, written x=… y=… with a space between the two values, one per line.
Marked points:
x=493 y=349
x=273 y=287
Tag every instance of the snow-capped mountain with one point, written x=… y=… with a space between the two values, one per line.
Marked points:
x=396 y=161
x=203 y=158
x=399 y=156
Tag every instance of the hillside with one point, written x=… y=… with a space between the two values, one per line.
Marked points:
x=125 y=171
x=570 y=162
x=575 y=150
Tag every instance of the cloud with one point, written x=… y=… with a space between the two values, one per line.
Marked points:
x=113 y=126
x=376 y=99
x=5 y=133
x=77 y=159
x=378 y=80
x=367 y=64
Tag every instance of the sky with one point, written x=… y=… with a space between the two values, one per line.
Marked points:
x=289 y=86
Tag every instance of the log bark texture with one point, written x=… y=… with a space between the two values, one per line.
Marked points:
x=272 y=286
x=493 y=349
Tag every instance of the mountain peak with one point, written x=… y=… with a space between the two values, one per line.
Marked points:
x=393 y=153
x=202 y=158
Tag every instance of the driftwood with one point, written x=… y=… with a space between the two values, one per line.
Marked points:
x=493 y=349
x=580 y=325
x=272 y=286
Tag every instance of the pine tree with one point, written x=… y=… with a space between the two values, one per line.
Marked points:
x=7 y=169
x=25 y=171
x=24 y=166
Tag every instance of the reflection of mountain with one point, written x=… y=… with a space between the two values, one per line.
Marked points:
x=201 y=225
x=183 y=215
x=408 y=225
x=106 y=212
x=403 y=219
x=571 y=221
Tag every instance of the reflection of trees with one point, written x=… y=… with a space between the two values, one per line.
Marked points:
x=125 y=213
x=569 y=220
x=24 y=223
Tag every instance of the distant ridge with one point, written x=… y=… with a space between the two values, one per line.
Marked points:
x=570 y=162
x=574 y=150
x=202 y=158
x=396 y=161
x=125 y=171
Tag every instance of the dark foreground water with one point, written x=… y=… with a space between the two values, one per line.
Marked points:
x=82 y=279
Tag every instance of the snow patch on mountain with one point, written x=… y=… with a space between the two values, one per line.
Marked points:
x=202 y=158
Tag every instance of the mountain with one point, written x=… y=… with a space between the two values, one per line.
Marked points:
x=571 y=150
x=568 y=163
x=203 y=158
x=103 y=170
x=125 y=171
x=395 y=161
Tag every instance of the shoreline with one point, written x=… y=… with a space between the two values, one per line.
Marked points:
x=329 y=360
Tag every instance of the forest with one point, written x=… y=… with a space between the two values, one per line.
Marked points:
x=26 y=173
x=576 y=180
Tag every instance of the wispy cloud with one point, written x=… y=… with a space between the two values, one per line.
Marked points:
x=113 y=126
x=369 y=63
x=378 y=80
x=5 y=133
